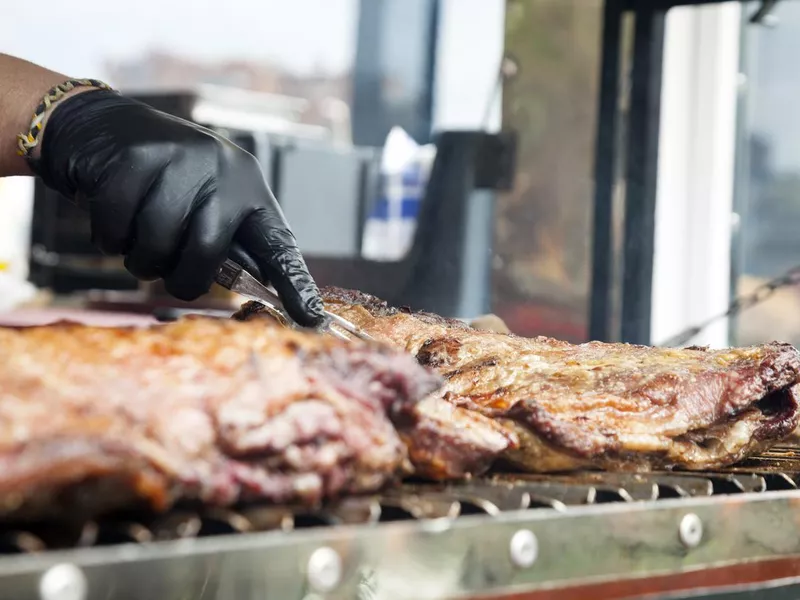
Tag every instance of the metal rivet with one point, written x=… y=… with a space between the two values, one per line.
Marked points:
x=691 y=530
x=324 y=570
x=63 y=582
x=523 y=549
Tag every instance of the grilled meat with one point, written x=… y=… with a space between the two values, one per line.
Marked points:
x=447 y=441
x=93 y=419
x=451 y=442
x=610 y=406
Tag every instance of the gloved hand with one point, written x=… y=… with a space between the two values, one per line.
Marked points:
x=172 y=197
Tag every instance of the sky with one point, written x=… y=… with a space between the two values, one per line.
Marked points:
x=78 y=36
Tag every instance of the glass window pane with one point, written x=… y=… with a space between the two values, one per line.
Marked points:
x=769 y=178
x=543 y=233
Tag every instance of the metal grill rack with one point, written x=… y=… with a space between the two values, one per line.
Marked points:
x=775 y=470
x=479 y=539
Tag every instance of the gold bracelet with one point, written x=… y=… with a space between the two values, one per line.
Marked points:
x=26 y=142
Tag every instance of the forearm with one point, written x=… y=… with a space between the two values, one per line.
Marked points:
x=22 y=86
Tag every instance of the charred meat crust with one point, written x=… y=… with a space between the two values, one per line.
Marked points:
x=380 y=308
x=764 y=428
x=737 y=389
x=782 y=415
x=595 y=404
x=610 y=406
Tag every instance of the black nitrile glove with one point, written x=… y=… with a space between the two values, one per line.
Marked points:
x=172 y=197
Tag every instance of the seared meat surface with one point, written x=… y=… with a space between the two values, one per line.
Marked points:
x=93 y=419
x=610 y=406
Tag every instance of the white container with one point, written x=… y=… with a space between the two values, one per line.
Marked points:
x=405 y=169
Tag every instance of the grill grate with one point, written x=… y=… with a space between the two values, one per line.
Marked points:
x=777 y=469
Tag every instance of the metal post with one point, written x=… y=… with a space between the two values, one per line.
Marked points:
x=600 y=311
x=641 y=175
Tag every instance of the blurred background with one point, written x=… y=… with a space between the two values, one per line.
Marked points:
x=614 y=170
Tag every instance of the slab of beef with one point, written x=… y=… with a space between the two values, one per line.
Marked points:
x=93 y=419
x=610 y=406
x=447 y=441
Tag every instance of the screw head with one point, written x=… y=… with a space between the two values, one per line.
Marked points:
x=690 y=530
x=324 y=571
x=523 y=549
x=63 y=582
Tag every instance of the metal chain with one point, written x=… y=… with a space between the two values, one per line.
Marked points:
x=740 y=304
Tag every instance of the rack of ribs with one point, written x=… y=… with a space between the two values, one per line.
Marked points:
x=594 y=405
